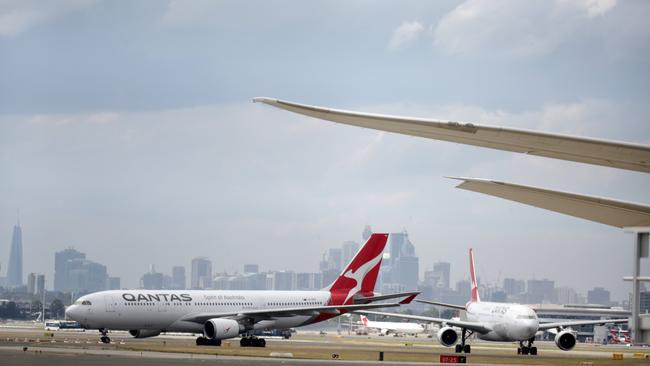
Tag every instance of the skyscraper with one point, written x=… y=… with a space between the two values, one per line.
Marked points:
x=113 y=283
x=178 y=278
x=60 y=267
x=441 y=271
x=350 y=249
x=31 y=283
x=15 y=268
x=201 y=273
x=598 y=296
x=40 y=285
x=400 y=268
x=152 y=280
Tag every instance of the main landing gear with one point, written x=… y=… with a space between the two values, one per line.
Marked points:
x=104 y=338
x=462 y=347
x=203 y=341
x=527 y=349
x=252 y=341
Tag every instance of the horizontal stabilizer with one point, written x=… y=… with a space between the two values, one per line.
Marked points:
x=408 y=296
x=451 y=306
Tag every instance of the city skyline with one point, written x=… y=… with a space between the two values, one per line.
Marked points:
x=437 y=275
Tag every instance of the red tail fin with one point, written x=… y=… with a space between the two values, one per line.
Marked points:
x=360 y=275
x=364 y=320
x=472 y=274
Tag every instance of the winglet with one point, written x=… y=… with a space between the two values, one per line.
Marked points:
x=472 y=273
x=266 y=100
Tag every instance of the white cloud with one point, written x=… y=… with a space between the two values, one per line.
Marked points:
x=591 y=8
x=405 y=34
x=514 y=28
x=21 y=15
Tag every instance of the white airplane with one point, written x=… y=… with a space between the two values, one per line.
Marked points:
x=226 y=314
x=386 y=328
x=500 y=322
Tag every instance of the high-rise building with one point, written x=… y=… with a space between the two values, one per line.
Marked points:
x=598 y=296
x=84 y=276
x=40 y=285
x=400 y=267
x=349 y=249
x=540 y=291
x=284 y=280
x=201 y=273
x=61 y=269
x=251 y=268
x=464 y=288
x=441 y=270
x=152 y=280
x=113 y=283
x=178 y=278
x=15 y=268
x=566 y=295
x=31 y=283
x=367 y=231
x=513 y=286
x=308 y=281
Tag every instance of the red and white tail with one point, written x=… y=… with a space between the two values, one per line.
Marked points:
x=364 y=320
x=360 y=275
x=472 y=274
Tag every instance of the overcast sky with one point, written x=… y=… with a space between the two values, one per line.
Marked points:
x=127 y=131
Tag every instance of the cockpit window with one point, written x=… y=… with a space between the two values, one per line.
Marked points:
x=525 y=316
x=86 y=302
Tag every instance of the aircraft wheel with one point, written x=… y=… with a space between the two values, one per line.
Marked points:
x=459 y=348
x=533 y=351
x=201 y=341
x=245 y=342
x=519 y=350
x=261 y=342
x=467 y=349
x=105 y=339
x=215 y=342
x=524 y=350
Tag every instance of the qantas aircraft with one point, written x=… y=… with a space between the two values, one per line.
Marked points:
x=385 y=328
x=500 y=322
x=227 y=314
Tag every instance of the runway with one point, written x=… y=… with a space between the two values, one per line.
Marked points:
x=306 y=348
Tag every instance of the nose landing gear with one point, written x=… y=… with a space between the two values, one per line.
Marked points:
x=104 y=338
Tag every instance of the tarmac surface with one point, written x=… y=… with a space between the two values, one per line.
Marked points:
x=34 y=346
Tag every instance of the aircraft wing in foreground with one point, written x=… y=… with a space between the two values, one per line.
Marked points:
x=599 y=209
x=609 y=153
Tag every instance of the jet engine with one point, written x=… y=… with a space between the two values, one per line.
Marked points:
x=218 y=328
x=565 y=340
x=447 y=336
x=143 y=333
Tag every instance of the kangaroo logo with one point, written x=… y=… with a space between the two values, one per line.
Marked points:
x=358 y=275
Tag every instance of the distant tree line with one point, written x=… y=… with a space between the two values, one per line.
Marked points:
x=10 y=310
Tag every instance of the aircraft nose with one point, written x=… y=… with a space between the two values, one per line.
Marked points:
x=71 y=312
